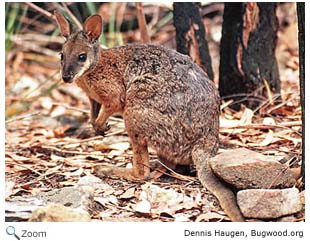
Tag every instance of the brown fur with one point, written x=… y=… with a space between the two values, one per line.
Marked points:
x=167 y=102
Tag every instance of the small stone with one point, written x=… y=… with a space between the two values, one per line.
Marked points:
x=89 y=180
x=59 y=213
x=289 y=218
x=269 y=203
x=74 y=197
x=246 y=169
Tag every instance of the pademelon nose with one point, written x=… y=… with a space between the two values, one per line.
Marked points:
x=67 y=78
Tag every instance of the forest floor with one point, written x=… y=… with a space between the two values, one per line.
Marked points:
x=49 y=142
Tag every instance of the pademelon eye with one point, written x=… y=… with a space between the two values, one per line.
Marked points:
x=82 y=57
x=61 y=56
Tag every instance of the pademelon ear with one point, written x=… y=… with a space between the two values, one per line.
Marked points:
x=63 y=24
x=93 y=27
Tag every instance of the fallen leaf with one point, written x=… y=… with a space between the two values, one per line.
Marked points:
x=130 y=193
x=53 y=170
x=77 y=172
x=16 y=157
x=246 y=117
x=143 y=206
x=111 y=199
x=297 y=172
x=9 y=186
x=206 y=217
x=268 y=139
x=166 y=200
x=122 y=146
x=269 y=121
x=102 y=147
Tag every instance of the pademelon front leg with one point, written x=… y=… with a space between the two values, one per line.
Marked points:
x=98 y=117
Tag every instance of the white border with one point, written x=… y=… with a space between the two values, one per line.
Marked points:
x=136 y=231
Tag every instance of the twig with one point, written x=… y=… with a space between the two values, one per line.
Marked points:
x=41 y=10
x=71 y=152
x=74 y=94
x=71 y=107
x=144 y=35
x=76 y=21
x=34 y=47
x=266 y=126
x=42 y=58
x=267 y=102
x=39 y=38
x=176 y=175
x=40 y=175
x=115 y=133
x=94 y=138
x=227 y=103
x=269 y=92
x=22 y=117
x=280 y=174
x=246 y=95
x=120 y=10
x=155 y=19
x=282 y=104
x=30 y=169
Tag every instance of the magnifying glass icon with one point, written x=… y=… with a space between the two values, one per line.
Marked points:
x=10 y=230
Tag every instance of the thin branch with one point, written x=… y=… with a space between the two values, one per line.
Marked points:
x=29 y=168
x=41 y=38
x=75 y=20
x=23 y=117
x=144 y=35
x=174 y=173
x=52 y=148
x=94 y=138
x=283 y=125
x=282 y=103
x=71 y=107
x=41 y=10
x=268 y=126
x=31 y=45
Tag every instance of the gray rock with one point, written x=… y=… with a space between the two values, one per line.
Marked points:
x=246 y=169
x=76 y=201
x=266 y=203
x=73 y=197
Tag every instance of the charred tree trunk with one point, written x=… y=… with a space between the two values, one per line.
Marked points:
x=248 y=67
x=190 y=34
x=301 y=43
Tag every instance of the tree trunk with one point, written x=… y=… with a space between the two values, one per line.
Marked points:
x=190 y=34
x=301 y=43
x=248 y=67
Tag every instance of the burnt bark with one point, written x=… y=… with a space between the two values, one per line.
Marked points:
x=301 y=43
x=248 y=67
x=190 y=34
